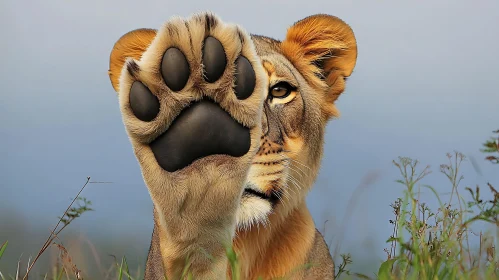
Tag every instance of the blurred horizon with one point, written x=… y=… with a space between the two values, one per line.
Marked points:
x=425 y=84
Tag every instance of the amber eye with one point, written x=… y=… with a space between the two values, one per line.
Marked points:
x=281 y=90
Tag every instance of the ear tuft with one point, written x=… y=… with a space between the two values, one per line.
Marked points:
x=131 y=45
x=322 y=46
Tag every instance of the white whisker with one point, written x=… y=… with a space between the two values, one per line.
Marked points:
x=292 y=179
x=293 y=168
x=297 y=161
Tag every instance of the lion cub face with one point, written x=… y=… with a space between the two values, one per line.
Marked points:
x=306 y=74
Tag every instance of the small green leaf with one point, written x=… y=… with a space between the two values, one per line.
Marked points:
x=385 y=270
x=360 y=276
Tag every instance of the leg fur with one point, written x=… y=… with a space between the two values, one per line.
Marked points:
x=320 y=259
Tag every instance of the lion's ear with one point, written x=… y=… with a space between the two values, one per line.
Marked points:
x=133 y=44
x=322 y=46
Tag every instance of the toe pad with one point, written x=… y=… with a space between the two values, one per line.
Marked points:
x=175 y=69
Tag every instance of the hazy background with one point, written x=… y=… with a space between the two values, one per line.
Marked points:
x=426 y=83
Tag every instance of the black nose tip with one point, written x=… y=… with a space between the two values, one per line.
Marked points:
x=201 y=130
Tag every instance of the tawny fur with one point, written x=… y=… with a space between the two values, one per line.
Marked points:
x=201 y=207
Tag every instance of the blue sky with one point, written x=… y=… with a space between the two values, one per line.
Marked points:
x=426 y=83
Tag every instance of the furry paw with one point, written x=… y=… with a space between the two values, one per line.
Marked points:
x=192 y=108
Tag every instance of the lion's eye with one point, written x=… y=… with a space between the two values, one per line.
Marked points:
x=281 y=90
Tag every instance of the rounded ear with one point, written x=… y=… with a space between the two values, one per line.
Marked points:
x=323 y=48
x=133 y=44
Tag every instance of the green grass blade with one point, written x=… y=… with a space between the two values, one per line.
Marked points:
x=432 y=189
x=120 y=271
x=2 y=248
x=234 y=264
x=127 y=271
x=59 y=277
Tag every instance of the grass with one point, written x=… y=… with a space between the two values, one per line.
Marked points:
x=429 y=244
x=426 y=242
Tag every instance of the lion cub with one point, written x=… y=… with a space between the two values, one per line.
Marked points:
x=228 y=129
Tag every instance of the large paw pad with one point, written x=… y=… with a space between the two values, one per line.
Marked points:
x=200 y=131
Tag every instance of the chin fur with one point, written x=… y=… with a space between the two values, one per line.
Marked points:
x=252 y=211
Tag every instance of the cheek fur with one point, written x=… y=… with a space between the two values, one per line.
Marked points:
x=291 y=116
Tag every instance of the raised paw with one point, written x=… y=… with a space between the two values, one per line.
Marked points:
x=195 y=93
x=192 y=107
